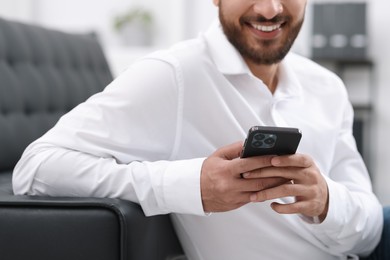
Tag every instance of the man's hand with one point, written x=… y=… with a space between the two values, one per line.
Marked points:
x=221 y=182
x=308 y=186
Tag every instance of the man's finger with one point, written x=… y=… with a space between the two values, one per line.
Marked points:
x=244 y=165
x=255 y=185
x=295 y=160
x=230 y=151
x=285 y=190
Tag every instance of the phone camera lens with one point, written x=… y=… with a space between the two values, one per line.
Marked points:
x=269 y=140
x=259 y=137
x=257 y=144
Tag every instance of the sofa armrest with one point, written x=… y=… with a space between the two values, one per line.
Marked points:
x=82 y=228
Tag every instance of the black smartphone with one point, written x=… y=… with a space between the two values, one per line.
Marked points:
x=271 y=140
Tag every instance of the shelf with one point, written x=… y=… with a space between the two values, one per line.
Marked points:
x=347 y=62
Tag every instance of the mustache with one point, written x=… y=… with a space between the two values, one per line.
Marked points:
x=262 y=19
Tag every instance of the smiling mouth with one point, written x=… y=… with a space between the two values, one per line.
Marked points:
x=266 y=28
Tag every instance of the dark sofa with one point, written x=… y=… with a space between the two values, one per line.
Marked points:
x=43 y=74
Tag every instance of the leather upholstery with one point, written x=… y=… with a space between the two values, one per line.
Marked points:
x=43 y=74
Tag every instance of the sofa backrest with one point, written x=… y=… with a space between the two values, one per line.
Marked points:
x=43 y=74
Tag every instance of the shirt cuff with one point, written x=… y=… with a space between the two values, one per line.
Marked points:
x=338 y=198
x=181 y=187
x=335 y=219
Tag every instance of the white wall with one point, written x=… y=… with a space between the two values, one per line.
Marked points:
x=199 y=15
x=22 y=10
x=182 y=19
x=380 y=50
x=76 y=15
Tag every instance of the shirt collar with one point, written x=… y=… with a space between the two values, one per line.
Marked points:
x=227 y=59
x=288 y=83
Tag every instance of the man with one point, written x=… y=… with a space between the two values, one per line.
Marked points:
x=148 y=138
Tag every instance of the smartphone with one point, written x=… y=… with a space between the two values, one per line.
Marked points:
x=271 y=140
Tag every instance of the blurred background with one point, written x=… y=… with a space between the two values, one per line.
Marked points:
x=349 y=37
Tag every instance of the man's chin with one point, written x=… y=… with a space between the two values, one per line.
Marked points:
x=264 y=56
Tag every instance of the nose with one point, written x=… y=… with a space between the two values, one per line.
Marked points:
x=268 y=8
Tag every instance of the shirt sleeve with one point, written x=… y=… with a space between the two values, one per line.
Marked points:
x=118 y=144
x=354 y=221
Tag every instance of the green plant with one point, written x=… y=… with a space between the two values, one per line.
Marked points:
x=134 y=15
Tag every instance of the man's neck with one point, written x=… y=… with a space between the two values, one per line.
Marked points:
x=267 y=73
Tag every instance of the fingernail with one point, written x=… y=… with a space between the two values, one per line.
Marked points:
x=253 y=197
x=275 y=161
x=246 y=175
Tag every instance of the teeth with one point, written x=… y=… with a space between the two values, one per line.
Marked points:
x=265 y=28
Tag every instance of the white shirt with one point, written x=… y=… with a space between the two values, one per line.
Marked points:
x=145 y=137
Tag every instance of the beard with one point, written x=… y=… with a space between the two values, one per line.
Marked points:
x=262 y=52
